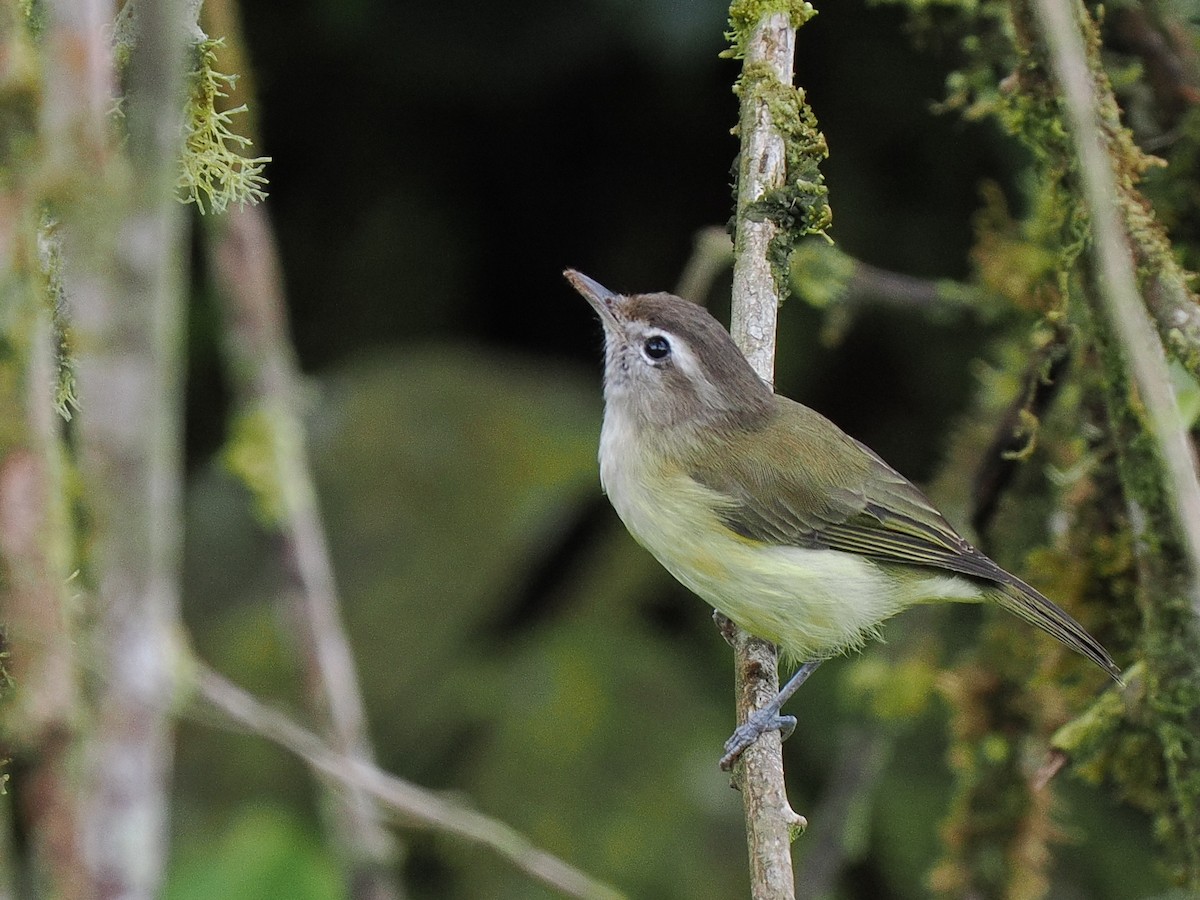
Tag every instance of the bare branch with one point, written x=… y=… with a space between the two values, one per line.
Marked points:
x=265 y=376
x=417 y=807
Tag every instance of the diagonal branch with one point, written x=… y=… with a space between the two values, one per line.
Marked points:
x=264 y=374
x=418 y=807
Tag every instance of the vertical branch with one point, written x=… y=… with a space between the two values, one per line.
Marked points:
x=40 y=704
x=1117 y=280
x=762 y=167
x=771 y=130
x=769 y=817
x=123 y=250
x=1155 y=459
x=34 y=539
x=265 y=377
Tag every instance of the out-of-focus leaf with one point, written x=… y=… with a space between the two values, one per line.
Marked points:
x=263 y=852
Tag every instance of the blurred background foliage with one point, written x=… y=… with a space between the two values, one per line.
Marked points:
x=435 y=167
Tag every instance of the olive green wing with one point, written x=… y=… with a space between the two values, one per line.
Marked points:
x=805 y=483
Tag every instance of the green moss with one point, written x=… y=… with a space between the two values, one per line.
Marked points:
x=50 y=269
x=1093 y=730
x=1154 y=761
x=800 y=207
x=252 y=454
x=820 y=273
x=745 y=14
x=1121 y=555
x=1185 y=349
x=34 y=14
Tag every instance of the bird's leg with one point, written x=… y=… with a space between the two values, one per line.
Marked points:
x=767 y=718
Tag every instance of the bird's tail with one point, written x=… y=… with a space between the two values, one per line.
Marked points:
x=1020 y=598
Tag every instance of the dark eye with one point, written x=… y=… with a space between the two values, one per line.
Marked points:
x=657 y=347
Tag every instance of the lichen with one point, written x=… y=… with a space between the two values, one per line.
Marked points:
x=214 y=170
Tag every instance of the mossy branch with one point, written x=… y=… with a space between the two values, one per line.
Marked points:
x=1126 y=523
x=1113 y=229
x=1156 y=460
x=123 y=257
x=780 y=195
x=417 y=806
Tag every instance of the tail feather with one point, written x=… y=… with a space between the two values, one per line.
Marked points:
x=1019 y=598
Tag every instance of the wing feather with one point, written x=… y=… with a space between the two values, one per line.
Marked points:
x=835 y=494
x=831 y=492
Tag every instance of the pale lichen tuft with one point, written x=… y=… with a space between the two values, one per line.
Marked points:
x=214 y=170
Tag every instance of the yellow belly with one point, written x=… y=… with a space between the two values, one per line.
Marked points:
x=812 y=603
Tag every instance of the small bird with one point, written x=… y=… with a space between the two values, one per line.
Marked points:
x=767 y=510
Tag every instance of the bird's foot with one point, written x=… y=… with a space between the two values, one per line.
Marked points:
x=759 y=723
x=767 y=718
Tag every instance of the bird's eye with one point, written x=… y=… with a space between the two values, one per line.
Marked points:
x=657 y=347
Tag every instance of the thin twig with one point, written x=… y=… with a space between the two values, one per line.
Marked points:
x=418 y=807
x=770 y=820
x=1117 y=279
x=265 y=376
x=712 y=254
x=1012 y=440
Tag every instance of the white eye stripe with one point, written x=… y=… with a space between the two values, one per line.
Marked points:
x=680 y=354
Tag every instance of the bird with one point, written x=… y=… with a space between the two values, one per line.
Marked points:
x=766 y=509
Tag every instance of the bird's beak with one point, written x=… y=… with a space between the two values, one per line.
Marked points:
x=603 y=300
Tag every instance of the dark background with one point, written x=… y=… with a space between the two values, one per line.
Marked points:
x=436 y=169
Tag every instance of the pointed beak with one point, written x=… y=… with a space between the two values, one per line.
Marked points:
x=603 y=300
